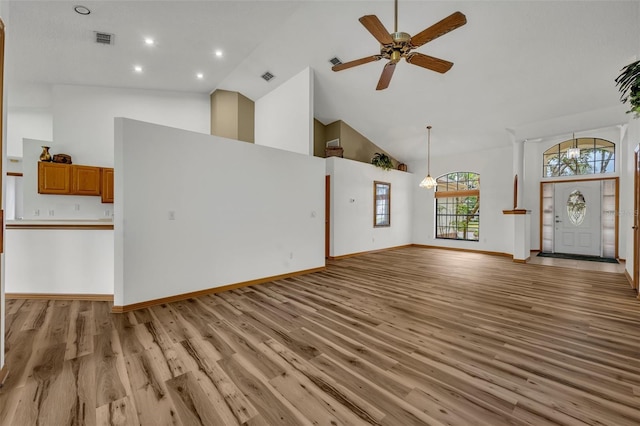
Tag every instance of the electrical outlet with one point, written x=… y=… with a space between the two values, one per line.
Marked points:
x=76 y=207
x=36 y=212
x=172 y=215
x=52 y=212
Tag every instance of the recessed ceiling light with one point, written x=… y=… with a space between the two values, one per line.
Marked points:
x=137 y=68
x=149 y=41
x=219 y=53
x=200 y=76
x=82 y=10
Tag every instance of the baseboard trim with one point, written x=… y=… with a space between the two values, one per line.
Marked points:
x=492 y=253
x=629 y=279
x=522 y=260
x=61 y=296
x=360 y=253
x=4 y=372
x=120 y=309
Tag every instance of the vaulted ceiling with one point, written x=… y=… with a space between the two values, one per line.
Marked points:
x=516 y=63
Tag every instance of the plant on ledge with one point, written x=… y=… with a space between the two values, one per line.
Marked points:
x=382 y=160
x=628 y=83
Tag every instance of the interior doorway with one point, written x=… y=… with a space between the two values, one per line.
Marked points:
x=577 y=211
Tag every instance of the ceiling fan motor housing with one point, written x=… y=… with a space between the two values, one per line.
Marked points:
x=400 y=37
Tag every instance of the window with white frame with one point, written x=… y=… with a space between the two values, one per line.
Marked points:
x=381 y=204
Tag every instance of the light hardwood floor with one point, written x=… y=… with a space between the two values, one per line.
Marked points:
x=411 y=336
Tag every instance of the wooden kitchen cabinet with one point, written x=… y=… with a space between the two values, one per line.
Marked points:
x=54 y=178
x=85 y=180
x=73 y=179
x=107 y=185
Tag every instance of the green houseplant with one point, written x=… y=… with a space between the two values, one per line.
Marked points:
x=382 y=160
x=628 y=83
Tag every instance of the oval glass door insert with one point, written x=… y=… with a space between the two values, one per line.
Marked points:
x=576 y=207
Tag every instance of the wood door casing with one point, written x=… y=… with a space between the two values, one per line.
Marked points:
x=327 y=215
x=4 y=370
x=636 y=220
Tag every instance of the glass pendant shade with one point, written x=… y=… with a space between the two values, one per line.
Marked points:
x=428 y=182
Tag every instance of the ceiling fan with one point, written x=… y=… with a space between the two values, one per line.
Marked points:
x=397 y=45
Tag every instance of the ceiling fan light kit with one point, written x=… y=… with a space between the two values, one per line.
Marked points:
x=397 y=45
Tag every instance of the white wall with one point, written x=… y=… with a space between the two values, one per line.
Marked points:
x=284 y=116
x=83 y=128
x=352 y=207
x=59 y=261
x=83 y=117
x=4 y=15
x=496 y=194
x=242 y=212
x=30 y=124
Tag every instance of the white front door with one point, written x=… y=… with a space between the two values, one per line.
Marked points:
x=577 y=217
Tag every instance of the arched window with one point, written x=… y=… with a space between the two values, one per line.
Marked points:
x=458 y=206
x=581 y=156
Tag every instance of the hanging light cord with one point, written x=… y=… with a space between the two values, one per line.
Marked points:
x=429 y=150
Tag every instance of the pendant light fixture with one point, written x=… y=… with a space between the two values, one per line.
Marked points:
x=428 y=182
x=574 y=152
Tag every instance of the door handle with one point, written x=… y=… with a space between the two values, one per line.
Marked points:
x=558 y=221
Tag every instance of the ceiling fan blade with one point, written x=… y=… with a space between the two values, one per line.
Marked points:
x=355 y=63
x=450 y=23
x=429 y=62
x=385 y=77
x=375 y=27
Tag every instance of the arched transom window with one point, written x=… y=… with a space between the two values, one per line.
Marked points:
x=580 y=156
x=458 y=206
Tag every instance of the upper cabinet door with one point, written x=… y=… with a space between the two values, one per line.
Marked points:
x=54 y=178
x=107 y=185
x=86 y=180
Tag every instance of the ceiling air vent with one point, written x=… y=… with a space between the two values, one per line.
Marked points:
x=335 y=61
x=104 y=38
x=267 y=76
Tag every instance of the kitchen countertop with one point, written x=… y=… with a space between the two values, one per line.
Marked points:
x=106 y=223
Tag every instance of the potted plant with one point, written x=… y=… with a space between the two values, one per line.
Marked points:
x=382 y=160
x=628 y=83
